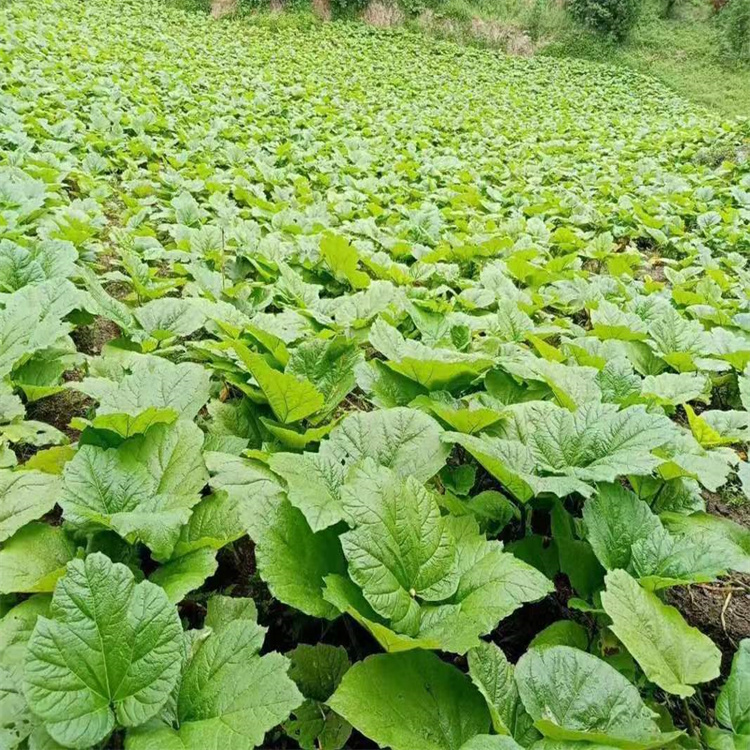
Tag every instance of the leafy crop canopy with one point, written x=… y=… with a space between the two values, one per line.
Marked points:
x=338 y=365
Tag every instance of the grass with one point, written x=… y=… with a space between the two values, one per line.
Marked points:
x=684 y=52
x=541 y=19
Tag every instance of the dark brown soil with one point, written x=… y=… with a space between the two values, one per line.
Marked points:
x=737 y=512
x=56 y=410
x=721 y=610
x=59 y=409
x=515 y=633
x=92 y=338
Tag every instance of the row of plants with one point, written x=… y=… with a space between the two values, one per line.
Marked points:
x=325 y=352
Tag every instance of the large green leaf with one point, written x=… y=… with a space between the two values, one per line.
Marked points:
x=543 y=448
x=469 y=417
x=608 y=321
x=573 y=695
x=108 y=655
x=492 y=584
x=411 y=700
x=342 y=259
x=16 y=719
x=314 y=482
x=214 y=523
x=671 y=389
x=31 y=321
x=513 y=464
x=616 y=519
x=294 y=560
x=155 y=391
x=16 y=627
x=671 y=653
x=143 y=490
x=317 y=671
x=733 y=703
x=571 y=385
x=493 y=675
x=720 y=739
x=181 y=575
x=728 y=539
x=26 y=495
x=347 y=598
x=169 y=316
x=435 y=369
x=250 y=486
x=34 y=558
x=404 y=440
x=229 y=696
x=596 y=443
x=292 y=398
x=400 y=548
x=329 y=365
x=48 y=259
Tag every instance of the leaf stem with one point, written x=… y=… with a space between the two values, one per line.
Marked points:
x=689 y=718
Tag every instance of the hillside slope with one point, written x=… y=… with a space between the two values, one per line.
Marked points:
x=364 y=389
x=685 y=51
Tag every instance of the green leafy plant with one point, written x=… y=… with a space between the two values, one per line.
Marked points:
x=614 y=18
x=356 y=388
x=347 y=7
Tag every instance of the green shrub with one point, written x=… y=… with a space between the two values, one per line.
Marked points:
x=347 y=7
x=412 y=8
x=612 y=17
x=735 y=23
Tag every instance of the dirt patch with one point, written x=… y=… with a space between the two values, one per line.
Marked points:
x=276 y=6
x=721 y=610
x=221 y=8
x=656 y=269
x=91 y=339
x=515 y=633
x=58 y=409
x=322 y=9
x=513 y=40
x=383 y=15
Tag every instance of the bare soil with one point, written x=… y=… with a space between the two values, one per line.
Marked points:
x=58 y=410
x=513 y=40
x=91 y=339
x=383 y=15
x=322 y=9
x=515 y=633
x=221 y=8
x=721 y=610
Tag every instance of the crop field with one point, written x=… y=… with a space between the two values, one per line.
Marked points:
x=359 y=389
